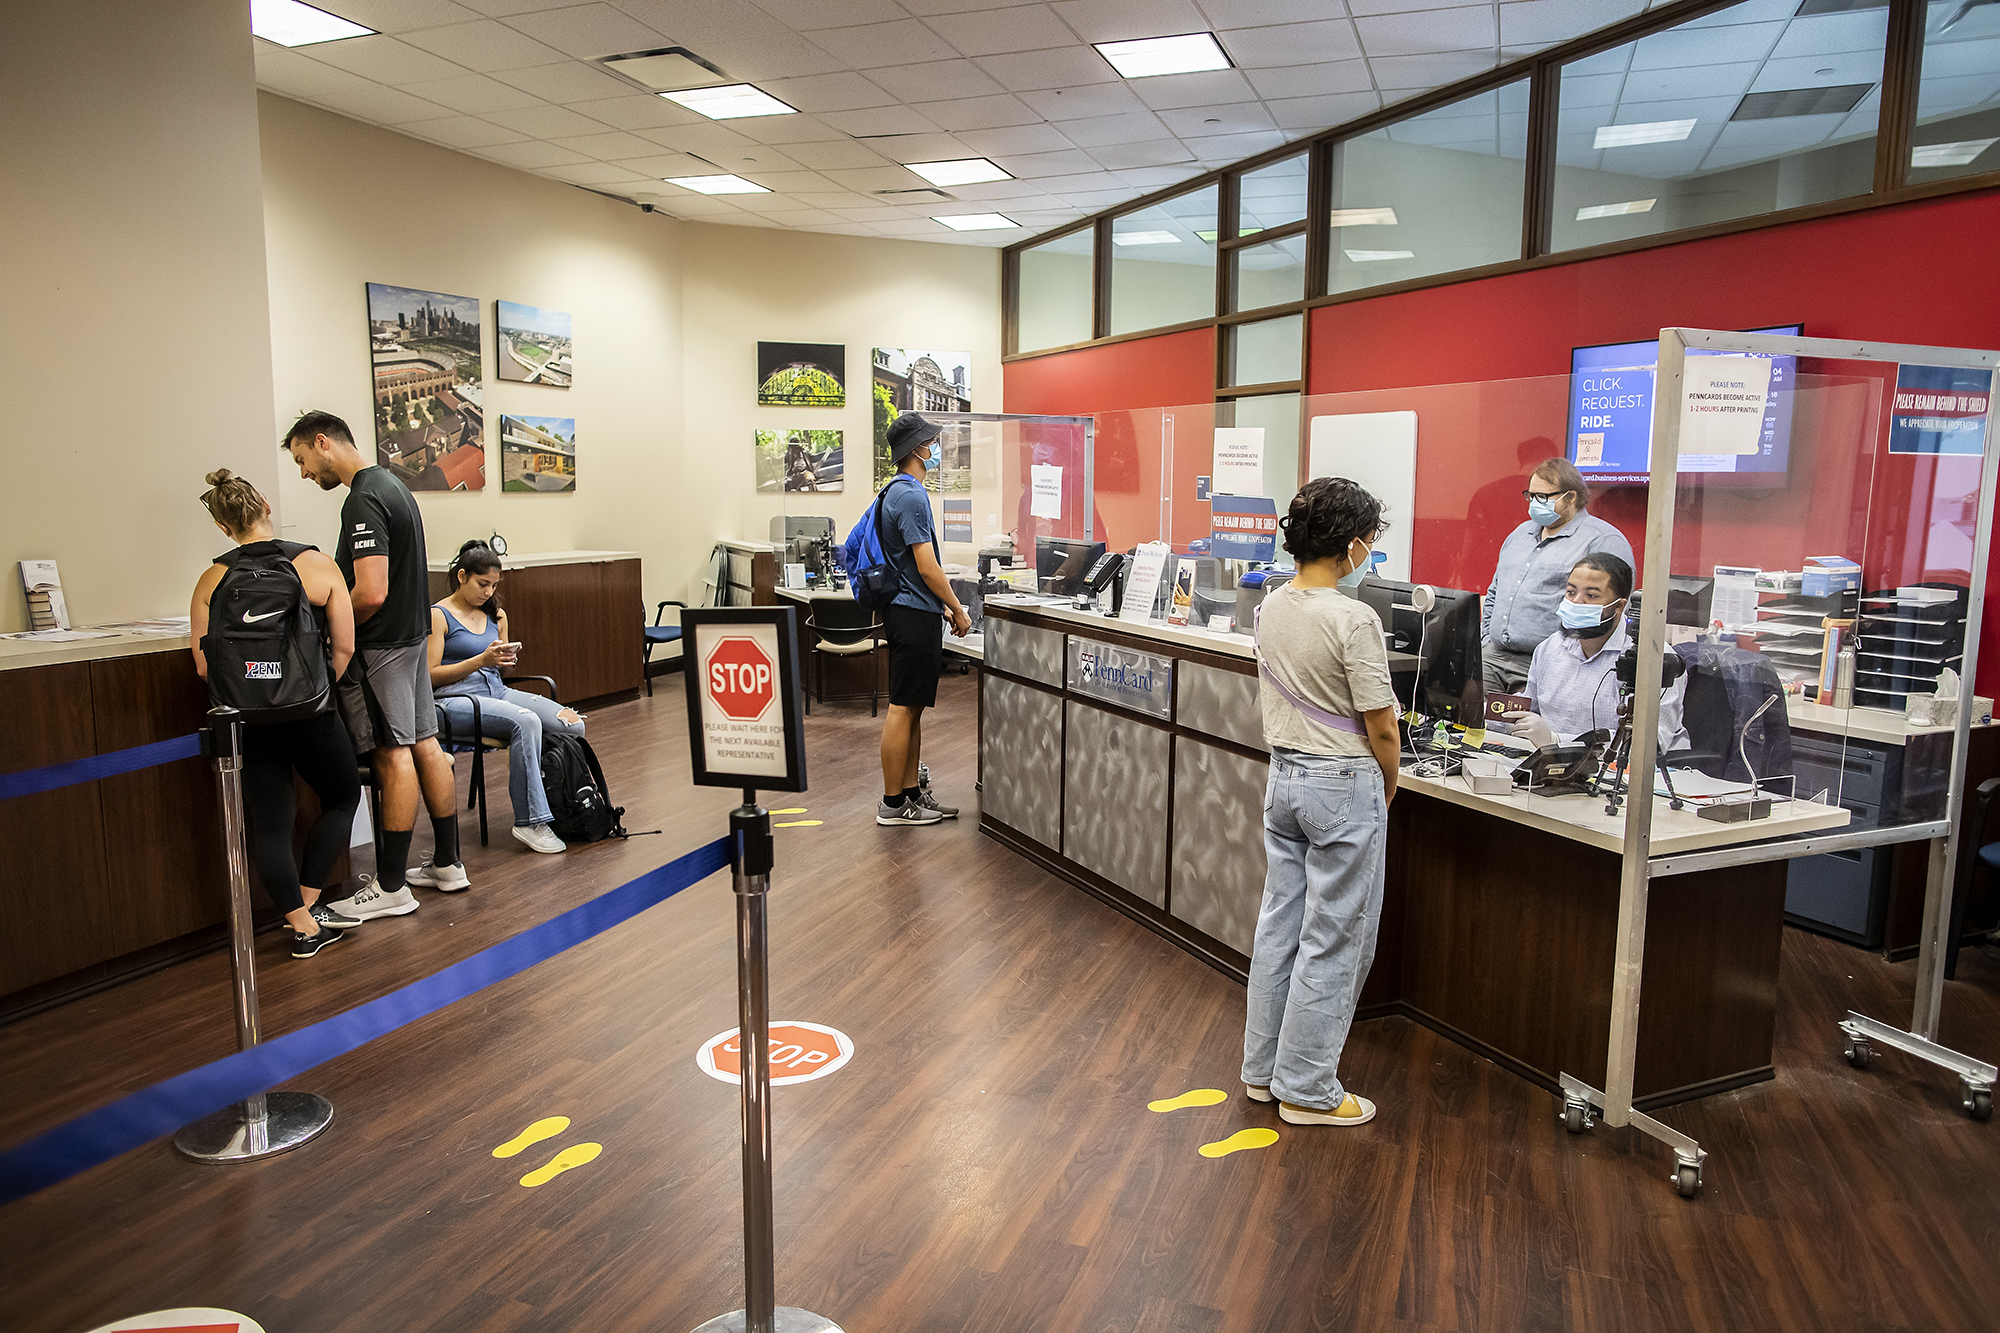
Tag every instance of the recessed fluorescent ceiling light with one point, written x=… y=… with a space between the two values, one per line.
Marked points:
x=289 y=23
x=1144 y=238
x=1654 y=131
x=977 y=221
x=1164 y=55
x=1371 y=256
x=1949 y=154
x=1364 y=217
x=717 y=184
x=731 y=102
x=959 y=171
x=1615 y=210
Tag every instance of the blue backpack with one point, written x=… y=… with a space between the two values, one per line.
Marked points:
x=875 y=581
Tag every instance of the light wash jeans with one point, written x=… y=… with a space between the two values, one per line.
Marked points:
x=1325 y=830
x=520 y=720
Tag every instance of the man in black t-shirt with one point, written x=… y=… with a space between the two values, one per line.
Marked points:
x=385 y=697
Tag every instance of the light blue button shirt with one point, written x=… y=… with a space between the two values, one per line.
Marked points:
x=1519 y=610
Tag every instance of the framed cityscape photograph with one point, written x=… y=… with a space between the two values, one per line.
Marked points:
x=801 y=375
x=911 y=379
x=533 y=344
x=430 y=421
x=537 y=454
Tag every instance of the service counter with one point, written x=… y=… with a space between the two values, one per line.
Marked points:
x=1129 y=759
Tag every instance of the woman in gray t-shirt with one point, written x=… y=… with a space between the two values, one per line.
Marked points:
x=1330 y=720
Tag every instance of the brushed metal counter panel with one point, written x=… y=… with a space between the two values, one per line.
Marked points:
x=1025 y=650
x=1021 y=749
x=1220 y=703
x=1218 y=841
x=1115 y=799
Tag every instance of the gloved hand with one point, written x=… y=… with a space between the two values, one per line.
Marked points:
x=1531 y=728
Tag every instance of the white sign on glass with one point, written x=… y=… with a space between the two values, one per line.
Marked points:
x=1045 y=497
x=1239 y=461
x=1722 y=404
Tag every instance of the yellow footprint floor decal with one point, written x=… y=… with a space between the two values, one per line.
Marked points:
x=1237 y=1142
x=794 y=810
x=546 y=1128
x=799 y=823
x=580 y=1153
x=1199 y=1097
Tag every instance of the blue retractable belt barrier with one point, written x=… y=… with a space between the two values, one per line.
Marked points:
x=31 y=780
x=154 y=1112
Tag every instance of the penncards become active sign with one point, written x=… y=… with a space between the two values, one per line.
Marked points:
x=746 y=724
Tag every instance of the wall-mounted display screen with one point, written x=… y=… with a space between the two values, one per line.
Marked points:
x=1611 y=418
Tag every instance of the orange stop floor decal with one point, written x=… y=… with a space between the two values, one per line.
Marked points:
x=800 y=1053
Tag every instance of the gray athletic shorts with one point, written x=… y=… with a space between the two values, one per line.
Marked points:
x=385 y=697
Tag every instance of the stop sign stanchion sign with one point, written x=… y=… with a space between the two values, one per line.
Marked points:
x=741 y=678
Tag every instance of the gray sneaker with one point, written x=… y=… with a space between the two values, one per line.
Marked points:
x=370 y=902
x=905 y=812
x=928 y=798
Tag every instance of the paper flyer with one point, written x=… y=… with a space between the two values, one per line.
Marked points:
x=1148 y=564
x=1045 y=497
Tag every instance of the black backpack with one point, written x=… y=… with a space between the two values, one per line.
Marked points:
x=266 y=655
x=578 y=798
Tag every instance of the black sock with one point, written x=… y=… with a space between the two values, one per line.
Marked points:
x=910 y=793
x=445 y=831
x=395 y=860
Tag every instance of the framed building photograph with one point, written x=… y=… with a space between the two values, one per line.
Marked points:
x=801 y=375
x=799 y=460
x=537 y=454
x=534 y=344
x=911 y=379
x=430 y=421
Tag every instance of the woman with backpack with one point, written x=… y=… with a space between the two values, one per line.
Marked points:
x=287 y=601
x=468 y=648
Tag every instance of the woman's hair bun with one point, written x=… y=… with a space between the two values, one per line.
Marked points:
x=221 y=476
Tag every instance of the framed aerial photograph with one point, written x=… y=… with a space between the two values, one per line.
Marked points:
x=801 y=375
x=534 y=344
x=430 y=418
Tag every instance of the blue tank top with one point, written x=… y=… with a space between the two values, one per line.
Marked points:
x=461 y=643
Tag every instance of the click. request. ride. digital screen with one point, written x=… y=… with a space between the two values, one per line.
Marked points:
x=1611 y=418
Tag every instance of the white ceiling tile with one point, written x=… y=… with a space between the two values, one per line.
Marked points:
x=710 y=141
x=1208 y=88
x=880 y=120
x=803 y=14
x=484 y=45
x=997 y=31
x=505 y=8
x=1661 y=85
x=1197 y=122
x=289 y=72
x=990 y=191
x=838 y=154
x=399 y=15
x=1545 y=22
x=385 y=60
x=871 y=213
x=1361 y=7
x=1123 y=20
x=829 y=92
x=927 y=8
x=1341 y=76
x=830 y=199
x=1591 y=90
x=1292 y=44
x=802 y=217
x=1150 y=153
x=686 y=203
x=1015 y=139
x=382 y=106
x=935 y=81
x=545 y=122
x=1258 y=13
x=773 y=55
x=788 y=182
x=606 y=147
x=1113 y=194
x=660 y=165
x=1145 y=180
x=566 y=82
x=533 y=154
x=474 y=94
x=598 y=174
x=463 y=132
x=636 y=111
x=1069 y=67
x=1409 y=74
x=980 y=113
x=1845 y=67
x=907 y=42
x=1702 y=46
x=1098 y=99
x=1466 y=28
x=921 y=148
x=786 y=130
x=1322 y=113
x=867 y=180
x=1834 y=34
x=1223 y=148
x=590 y=30
x=1126 y=127
x=1029 y=166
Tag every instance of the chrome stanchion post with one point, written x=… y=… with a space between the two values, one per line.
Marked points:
x=267 y=1123
x=750 y=862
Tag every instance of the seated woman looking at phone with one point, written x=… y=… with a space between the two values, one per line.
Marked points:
x=469 y=646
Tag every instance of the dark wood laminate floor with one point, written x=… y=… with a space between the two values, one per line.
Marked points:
x=986 y=1162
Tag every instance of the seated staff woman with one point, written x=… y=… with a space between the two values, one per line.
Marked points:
x=1330 y=721
x=468 y=647
x=317 y=748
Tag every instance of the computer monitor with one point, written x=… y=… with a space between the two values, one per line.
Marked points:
x=1061 y=563
x=1434 y=659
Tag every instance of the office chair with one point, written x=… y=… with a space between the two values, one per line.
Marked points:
x=1726 y=686
x=657 y=636
x=843 y=629
x=477 y=745
x=1979 y=810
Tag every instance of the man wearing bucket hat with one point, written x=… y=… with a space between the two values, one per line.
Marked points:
x=914 y=624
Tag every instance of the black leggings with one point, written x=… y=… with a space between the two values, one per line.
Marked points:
x=318 y=748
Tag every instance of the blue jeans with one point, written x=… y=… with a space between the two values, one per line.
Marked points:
x=1325 y=830
x=519 y=720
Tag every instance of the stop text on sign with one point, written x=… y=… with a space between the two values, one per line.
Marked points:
x=739 y=677
x=799 y=1052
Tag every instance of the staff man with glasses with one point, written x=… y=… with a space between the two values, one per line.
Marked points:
x=1519 y=610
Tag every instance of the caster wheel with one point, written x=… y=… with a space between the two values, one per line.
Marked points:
x=1576 y=1118
x=1859 y=1052
x=1979 y=1104
x=1687 y=1181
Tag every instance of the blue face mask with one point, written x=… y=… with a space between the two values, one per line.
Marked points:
x=1352 y=579
x=1583 y=615
x=1543 y=512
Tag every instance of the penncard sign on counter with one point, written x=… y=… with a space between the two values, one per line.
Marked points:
x=1940 y=410
x=746 y=715
x=1243 y=527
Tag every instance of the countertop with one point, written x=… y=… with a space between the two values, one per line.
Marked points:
x=17 y=653
x=533 y=559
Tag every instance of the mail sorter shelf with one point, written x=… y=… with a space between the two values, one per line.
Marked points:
x=1905 y=637
x=1788 y=630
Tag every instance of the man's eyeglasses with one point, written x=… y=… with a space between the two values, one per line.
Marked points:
x=1541 y=495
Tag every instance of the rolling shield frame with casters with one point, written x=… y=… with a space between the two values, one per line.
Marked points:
x=1584 y=1104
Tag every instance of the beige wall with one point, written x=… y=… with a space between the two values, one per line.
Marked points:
x=134 y=295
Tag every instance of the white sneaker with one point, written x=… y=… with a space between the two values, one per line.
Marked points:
x=1257 y=1094
x=370 y=902
x=445 y=879
x=1352 y=1110
x=539 y=839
